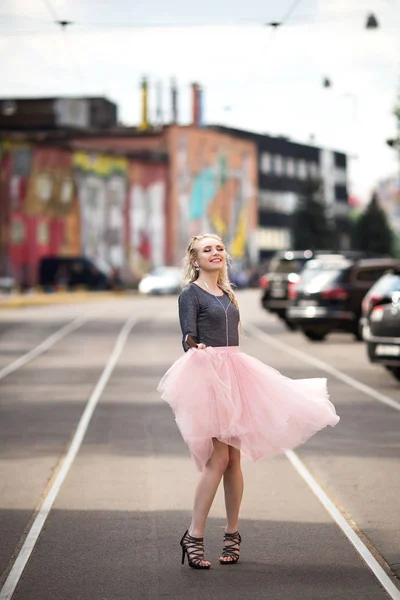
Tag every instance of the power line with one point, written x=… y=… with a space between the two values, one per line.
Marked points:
x=90 y=26
x=290 y=11
x=51 y=10
x=63 y=25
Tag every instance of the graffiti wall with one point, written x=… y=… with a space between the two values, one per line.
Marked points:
x=102 y=182
x=38 y=202
x=147 y=216
x=213 y=189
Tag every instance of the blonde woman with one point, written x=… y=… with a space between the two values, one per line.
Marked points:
x=227 y=403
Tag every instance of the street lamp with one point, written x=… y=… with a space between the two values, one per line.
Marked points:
x=372 y=22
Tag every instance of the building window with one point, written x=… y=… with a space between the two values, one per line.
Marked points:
x=284 y=165
x=302 y=169
x=278 y=166
x=290 y=167
x=265 y=163
x=273 y=239
x=280 y=202
x=314 y=170
x=17 y=234
x=340 y=176
x=42 y=233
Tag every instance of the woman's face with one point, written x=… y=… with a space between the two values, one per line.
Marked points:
x=210 y=254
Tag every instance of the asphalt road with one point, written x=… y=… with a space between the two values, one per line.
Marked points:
x=112 y=527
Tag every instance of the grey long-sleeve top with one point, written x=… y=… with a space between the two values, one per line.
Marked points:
x=202 y=317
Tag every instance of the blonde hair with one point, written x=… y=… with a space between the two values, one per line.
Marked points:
x=190 y=274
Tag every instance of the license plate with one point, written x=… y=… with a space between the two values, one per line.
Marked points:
x=386 y=350
x=307 y=303
x=278 y=293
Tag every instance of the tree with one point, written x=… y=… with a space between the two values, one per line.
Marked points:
x=310 y=226
x=372 y=232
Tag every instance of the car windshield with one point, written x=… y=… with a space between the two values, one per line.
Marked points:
x=318 y=277
x=386 y=284
x=102 y=266
x=166 y=272
x=280 y=265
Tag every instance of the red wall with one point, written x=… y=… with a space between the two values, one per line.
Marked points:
x=33 y=232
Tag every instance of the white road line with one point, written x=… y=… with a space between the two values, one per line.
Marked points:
x=320 y=364
x=43 y=346
x=34 y=532
x=339 y=519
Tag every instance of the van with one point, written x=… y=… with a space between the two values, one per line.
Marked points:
x=72 y=272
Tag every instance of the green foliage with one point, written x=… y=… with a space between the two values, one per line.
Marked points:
x=372 y=232
x=310 y=226
x=396 y=246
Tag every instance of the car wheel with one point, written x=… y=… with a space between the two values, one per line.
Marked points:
x=315 y=335
x=289 y=324
x=358 y=331
x=371 y=351
x=395 y=371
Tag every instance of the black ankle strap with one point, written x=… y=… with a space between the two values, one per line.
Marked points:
x=233 y=536
x=194 y=538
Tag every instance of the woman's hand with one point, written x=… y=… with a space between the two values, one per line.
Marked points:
x=201 y=346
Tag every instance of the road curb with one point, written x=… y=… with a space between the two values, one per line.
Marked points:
x=61 y=298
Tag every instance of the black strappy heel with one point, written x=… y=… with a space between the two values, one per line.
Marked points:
x=194 y=548
x=230 y=551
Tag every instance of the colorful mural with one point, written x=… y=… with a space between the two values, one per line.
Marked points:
x=214 y=182
x=51 y=190
x=133 y=210
x=37 y=201
x=102 y=189
x=146 y=216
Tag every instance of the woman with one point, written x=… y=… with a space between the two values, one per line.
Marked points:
x=227 y=402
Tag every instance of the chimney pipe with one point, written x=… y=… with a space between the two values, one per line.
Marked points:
x=195 y=104
x=145 y=113
x=174 y=101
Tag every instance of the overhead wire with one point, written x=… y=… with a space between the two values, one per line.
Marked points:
x=63 y=24
x=98 y=26
x=51 y=10
x=275 y=25
x=290 y=11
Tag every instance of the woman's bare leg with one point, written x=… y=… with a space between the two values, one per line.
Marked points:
x=207 y=487
x=233 y=488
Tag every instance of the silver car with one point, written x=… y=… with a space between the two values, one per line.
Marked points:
x=162 y=280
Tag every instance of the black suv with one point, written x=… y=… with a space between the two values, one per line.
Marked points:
x=329 y=299
x=283 y=270
x=382 y=292
x=73 y=272
x=284 y=273
x=382 y=334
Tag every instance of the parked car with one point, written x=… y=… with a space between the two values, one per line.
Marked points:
x=330 y=299
x=162 y=280
x=382 y=335
x=72 y=272
x=283 y=270
x=382 y=292
x=283 y=275
x=7 y=284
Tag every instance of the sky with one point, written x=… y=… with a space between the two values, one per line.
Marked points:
x=254 y=76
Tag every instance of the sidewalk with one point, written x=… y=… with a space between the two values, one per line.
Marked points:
x=37 y=298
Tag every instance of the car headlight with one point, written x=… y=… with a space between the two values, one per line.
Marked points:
x=377 y=314
x=145 y=286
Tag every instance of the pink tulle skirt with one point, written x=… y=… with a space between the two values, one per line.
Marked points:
x=226 y=394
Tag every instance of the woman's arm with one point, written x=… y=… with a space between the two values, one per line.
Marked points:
x=188 y=315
